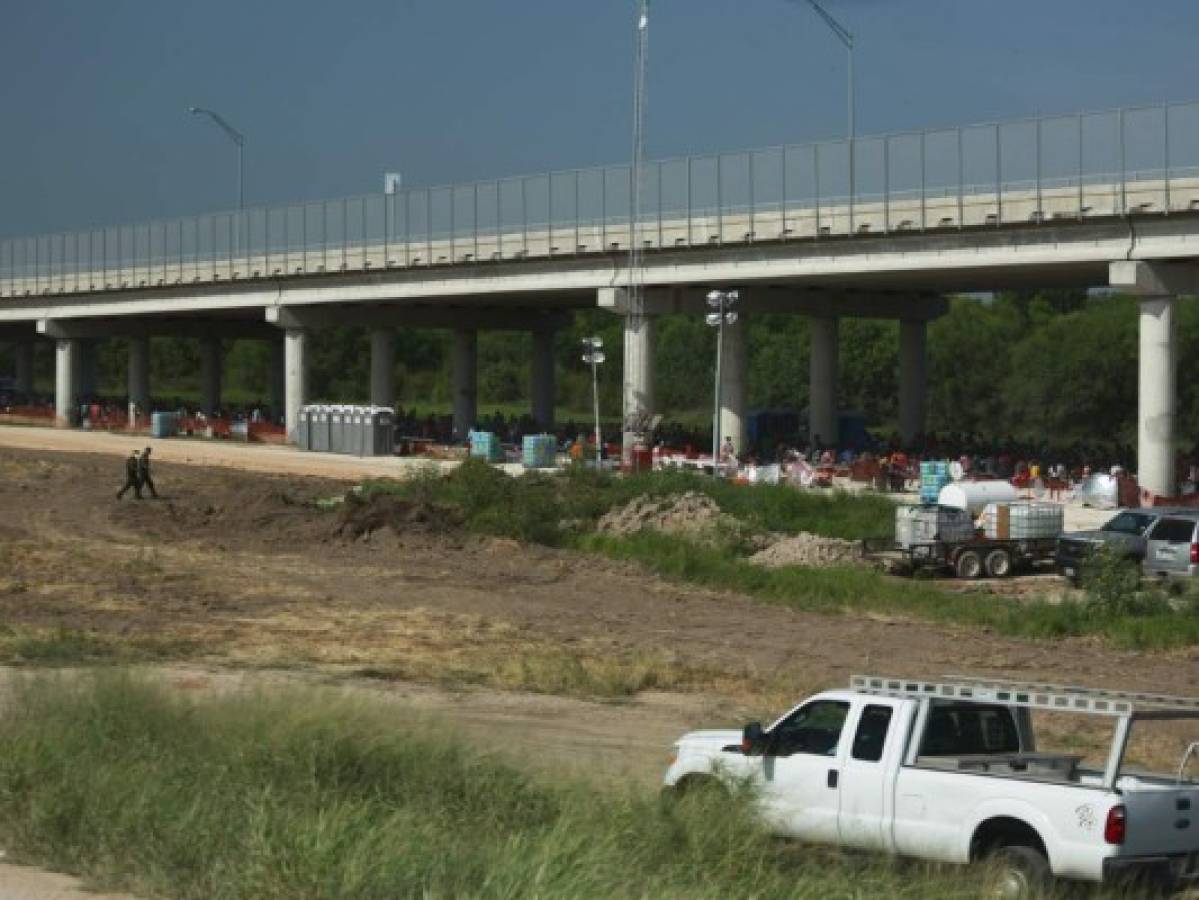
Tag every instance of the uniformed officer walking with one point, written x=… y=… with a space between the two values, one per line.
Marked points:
x=143 y=473
x=132 y=476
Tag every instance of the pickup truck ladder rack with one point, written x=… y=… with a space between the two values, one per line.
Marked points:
x=1054 y=697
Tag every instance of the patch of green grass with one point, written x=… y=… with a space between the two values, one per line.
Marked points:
x=833 y=590
x=313 y=796
x=533 y=507
x=70 y=647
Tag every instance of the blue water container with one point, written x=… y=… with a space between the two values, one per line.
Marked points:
x=164 y=424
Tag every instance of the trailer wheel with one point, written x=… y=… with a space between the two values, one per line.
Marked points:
x=999 y=564
x=968 y=564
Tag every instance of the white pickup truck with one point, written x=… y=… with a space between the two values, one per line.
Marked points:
x=950 y=771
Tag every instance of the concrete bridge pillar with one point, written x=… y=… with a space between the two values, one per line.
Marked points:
x=383 y=364
x=638 y=376
x=1157 y=397
x=1156 y=285
x=541 y=381
x=465 y=378
x=295 y=343
x=822 y=383
x=912 y=380
x=278 y=386
x=24 y=367
x=139 y=374
x=734 y=383
x=211 y=363
x=66 y=381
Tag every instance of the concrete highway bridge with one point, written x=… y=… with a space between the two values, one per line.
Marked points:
x=1107 y=199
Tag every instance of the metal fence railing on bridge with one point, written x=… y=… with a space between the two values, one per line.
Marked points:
x=1143 y=160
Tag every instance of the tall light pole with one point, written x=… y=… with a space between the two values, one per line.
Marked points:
x=845 y=36
x=238 y=138
x=593 y=355
x=721 y=303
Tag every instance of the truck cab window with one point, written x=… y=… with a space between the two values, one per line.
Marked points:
x=969 y=729
x=814 y=728
x=872 y=733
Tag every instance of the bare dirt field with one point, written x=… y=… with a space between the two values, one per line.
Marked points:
x=554 y=657
x=239 y=568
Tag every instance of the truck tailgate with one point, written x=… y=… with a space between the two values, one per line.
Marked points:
x=1162 y=819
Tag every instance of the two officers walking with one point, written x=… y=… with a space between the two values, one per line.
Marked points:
x=137 y=475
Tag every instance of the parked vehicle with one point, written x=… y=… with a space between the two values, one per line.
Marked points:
x=1172 y=546
x=951 y=771
x=1123 y=534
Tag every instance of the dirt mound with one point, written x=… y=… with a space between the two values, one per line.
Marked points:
x=811 y=550
x=362 y=516
x=691 y=514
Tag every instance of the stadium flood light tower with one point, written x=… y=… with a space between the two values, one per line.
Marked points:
x=722 y=314
x=593 y=355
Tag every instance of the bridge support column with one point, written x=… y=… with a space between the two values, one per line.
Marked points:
x=822 y=383
x=295 y=343
x=1156 y=285
x=24 y=368
x=278 y=398
x=1157 y=397
x=912 y=380
x=139 y=376
x=465 y=362
x=66 y=382
x=734 y=382
x=638 y=379
x=541 y=381
x=383 y=365
x=211 y=360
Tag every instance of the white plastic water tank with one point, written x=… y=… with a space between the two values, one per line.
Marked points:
x=973 y=496
x=1022 y=521
x=929 y=524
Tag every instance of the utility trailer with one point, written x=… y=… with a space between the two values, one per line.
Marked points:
x=1006 y=537
x=971 y=558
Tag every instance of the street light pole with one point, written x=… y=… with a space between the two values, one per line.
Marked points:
x=721 y=302
x=238 y=138
x=845 y=36
x=593 y=355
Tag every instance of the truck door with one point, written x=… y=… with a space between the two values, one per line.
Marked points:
x=800 y=776
x=867 y=770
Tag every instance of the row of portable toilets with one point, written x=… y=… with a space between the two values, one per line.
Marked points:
x=353 y=430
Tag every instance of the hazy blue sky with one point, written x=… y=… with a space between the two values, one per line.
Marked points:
x=93 y=93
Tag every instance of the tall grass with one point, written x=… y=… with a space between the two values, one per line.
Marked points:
x=278 y=796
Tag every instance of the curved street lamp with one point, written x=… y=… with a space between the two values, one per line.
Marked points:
x=238 y=138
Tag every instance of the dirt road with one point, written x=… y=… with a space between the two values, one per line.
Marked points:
x=27 y=883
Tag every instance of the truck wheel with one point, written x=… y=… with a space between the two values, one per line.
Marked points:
x=969 y=564
x=1017 y=873
x=999 y=564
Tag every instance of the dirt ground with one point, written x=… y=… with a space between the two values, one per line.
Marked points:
x=242 y=569
x=234 y=574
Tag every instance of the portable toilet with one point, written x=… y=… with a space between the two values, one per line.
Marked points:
x=304 y=428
